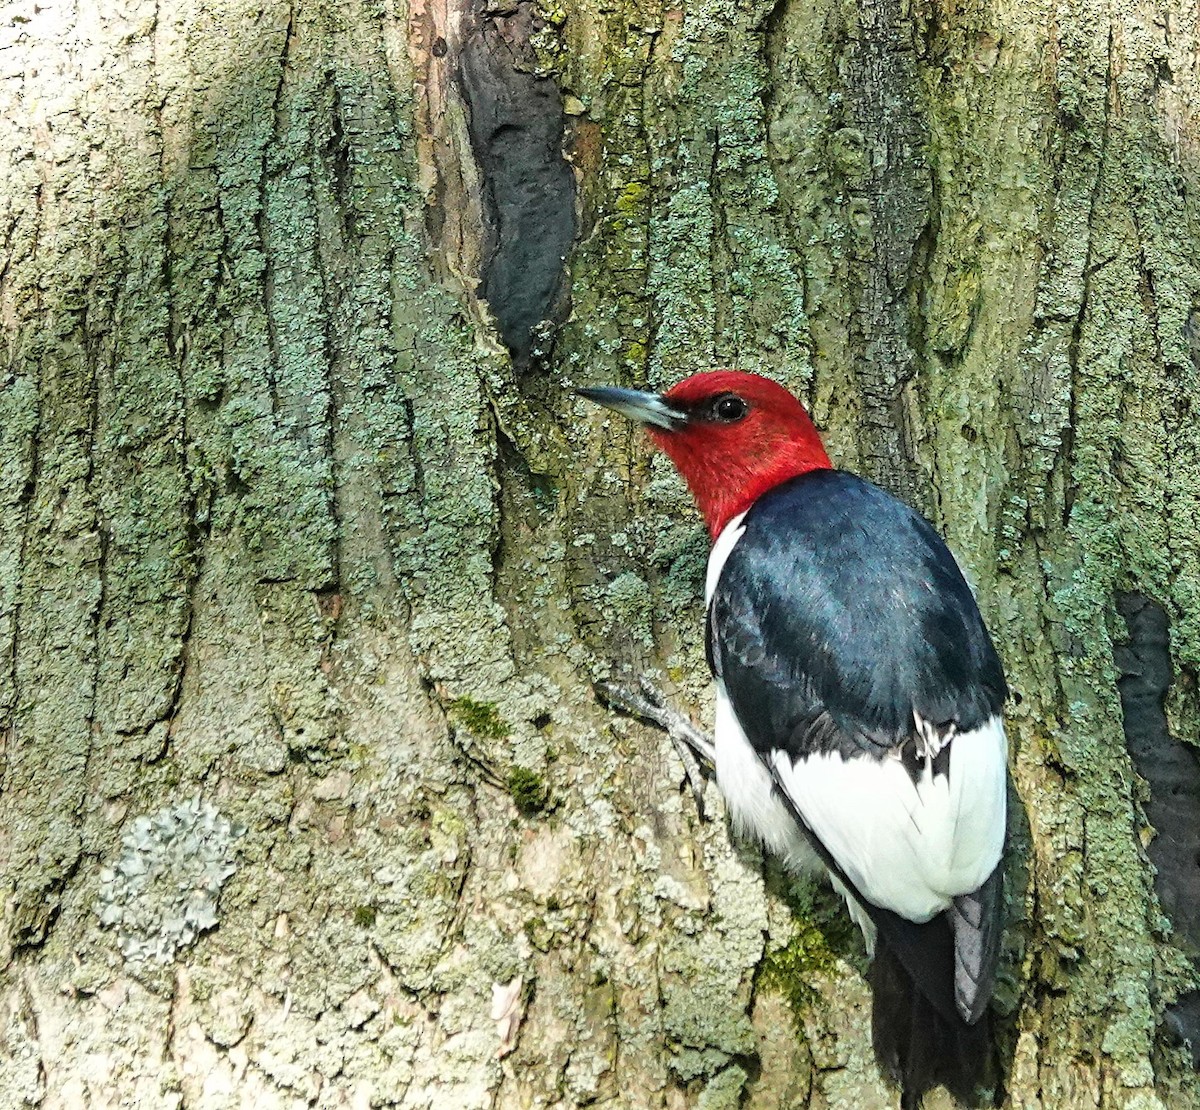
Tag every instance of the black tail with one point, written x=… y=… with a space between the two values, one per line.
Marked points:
x=920 y=1038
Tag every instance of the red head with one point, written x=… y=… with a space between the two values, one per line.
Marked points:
x=732 y=436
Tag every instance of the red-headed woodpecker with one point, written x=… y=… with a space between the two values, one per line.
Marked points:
x=859 y=705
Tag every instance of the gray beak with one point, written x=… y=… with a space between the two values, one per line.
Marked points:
x=645 y=408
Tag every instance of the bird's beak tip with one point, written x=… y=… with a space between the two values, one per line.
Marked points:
x=645 y=408
x=590 y=393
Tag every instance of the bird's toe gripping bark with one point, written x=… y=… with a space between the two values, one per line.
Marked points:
x=648 y=704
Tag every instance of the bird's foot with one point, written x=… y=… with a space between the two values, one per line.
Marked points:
x=649 y=704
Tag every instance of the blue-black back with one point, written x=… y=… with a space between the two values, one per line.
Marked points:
x=839 y=612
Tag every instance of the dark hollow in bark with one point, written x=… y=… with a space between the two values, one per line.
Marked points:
x=1173 y=773
x=516 y=130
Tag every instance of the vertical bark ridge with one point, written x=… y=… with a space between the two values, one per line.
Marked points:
x=888 y=107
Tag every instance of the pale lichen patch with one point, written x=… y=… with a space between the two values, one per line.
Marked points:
x=161 y=893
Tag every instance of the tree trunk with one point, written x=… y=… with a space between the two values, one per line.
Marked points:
x=309 y=559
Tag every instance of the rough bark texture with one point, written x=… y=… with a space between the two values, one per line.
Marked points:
x=309 y=560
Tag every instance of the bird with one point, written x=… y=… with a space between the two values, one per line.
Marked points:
x=859 y=708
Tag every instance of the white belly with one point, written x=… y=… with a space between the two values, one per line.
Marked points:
x=754 y=805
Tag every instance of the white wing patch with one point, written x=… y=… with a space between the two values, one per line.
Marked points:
x=909 y=847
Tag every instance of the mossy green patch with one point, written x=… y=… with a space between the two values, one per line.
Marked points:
x=528 y=790
x=790 y=969
x=822 y=933
x=632 y=199
x=481 y=718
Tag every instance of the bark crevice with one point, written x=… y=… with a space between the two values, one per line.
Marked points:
x=1172 y=772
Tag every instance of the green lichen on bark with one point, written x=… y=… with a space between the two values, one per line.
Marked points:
x=817 y=935
x=278 y=520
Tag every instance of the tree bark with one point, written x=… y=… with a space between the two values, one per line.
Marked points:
x=309 y=559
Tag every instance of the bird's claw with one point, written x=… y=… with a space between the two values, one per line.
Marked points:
x=649 y=704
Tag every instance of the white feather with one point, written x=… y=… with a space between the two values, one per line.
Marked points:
x=909 y=847
x=755 y=808
x=719 y=555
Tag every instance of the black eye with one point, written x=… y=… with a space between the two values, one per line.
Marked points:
x=729 y=408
